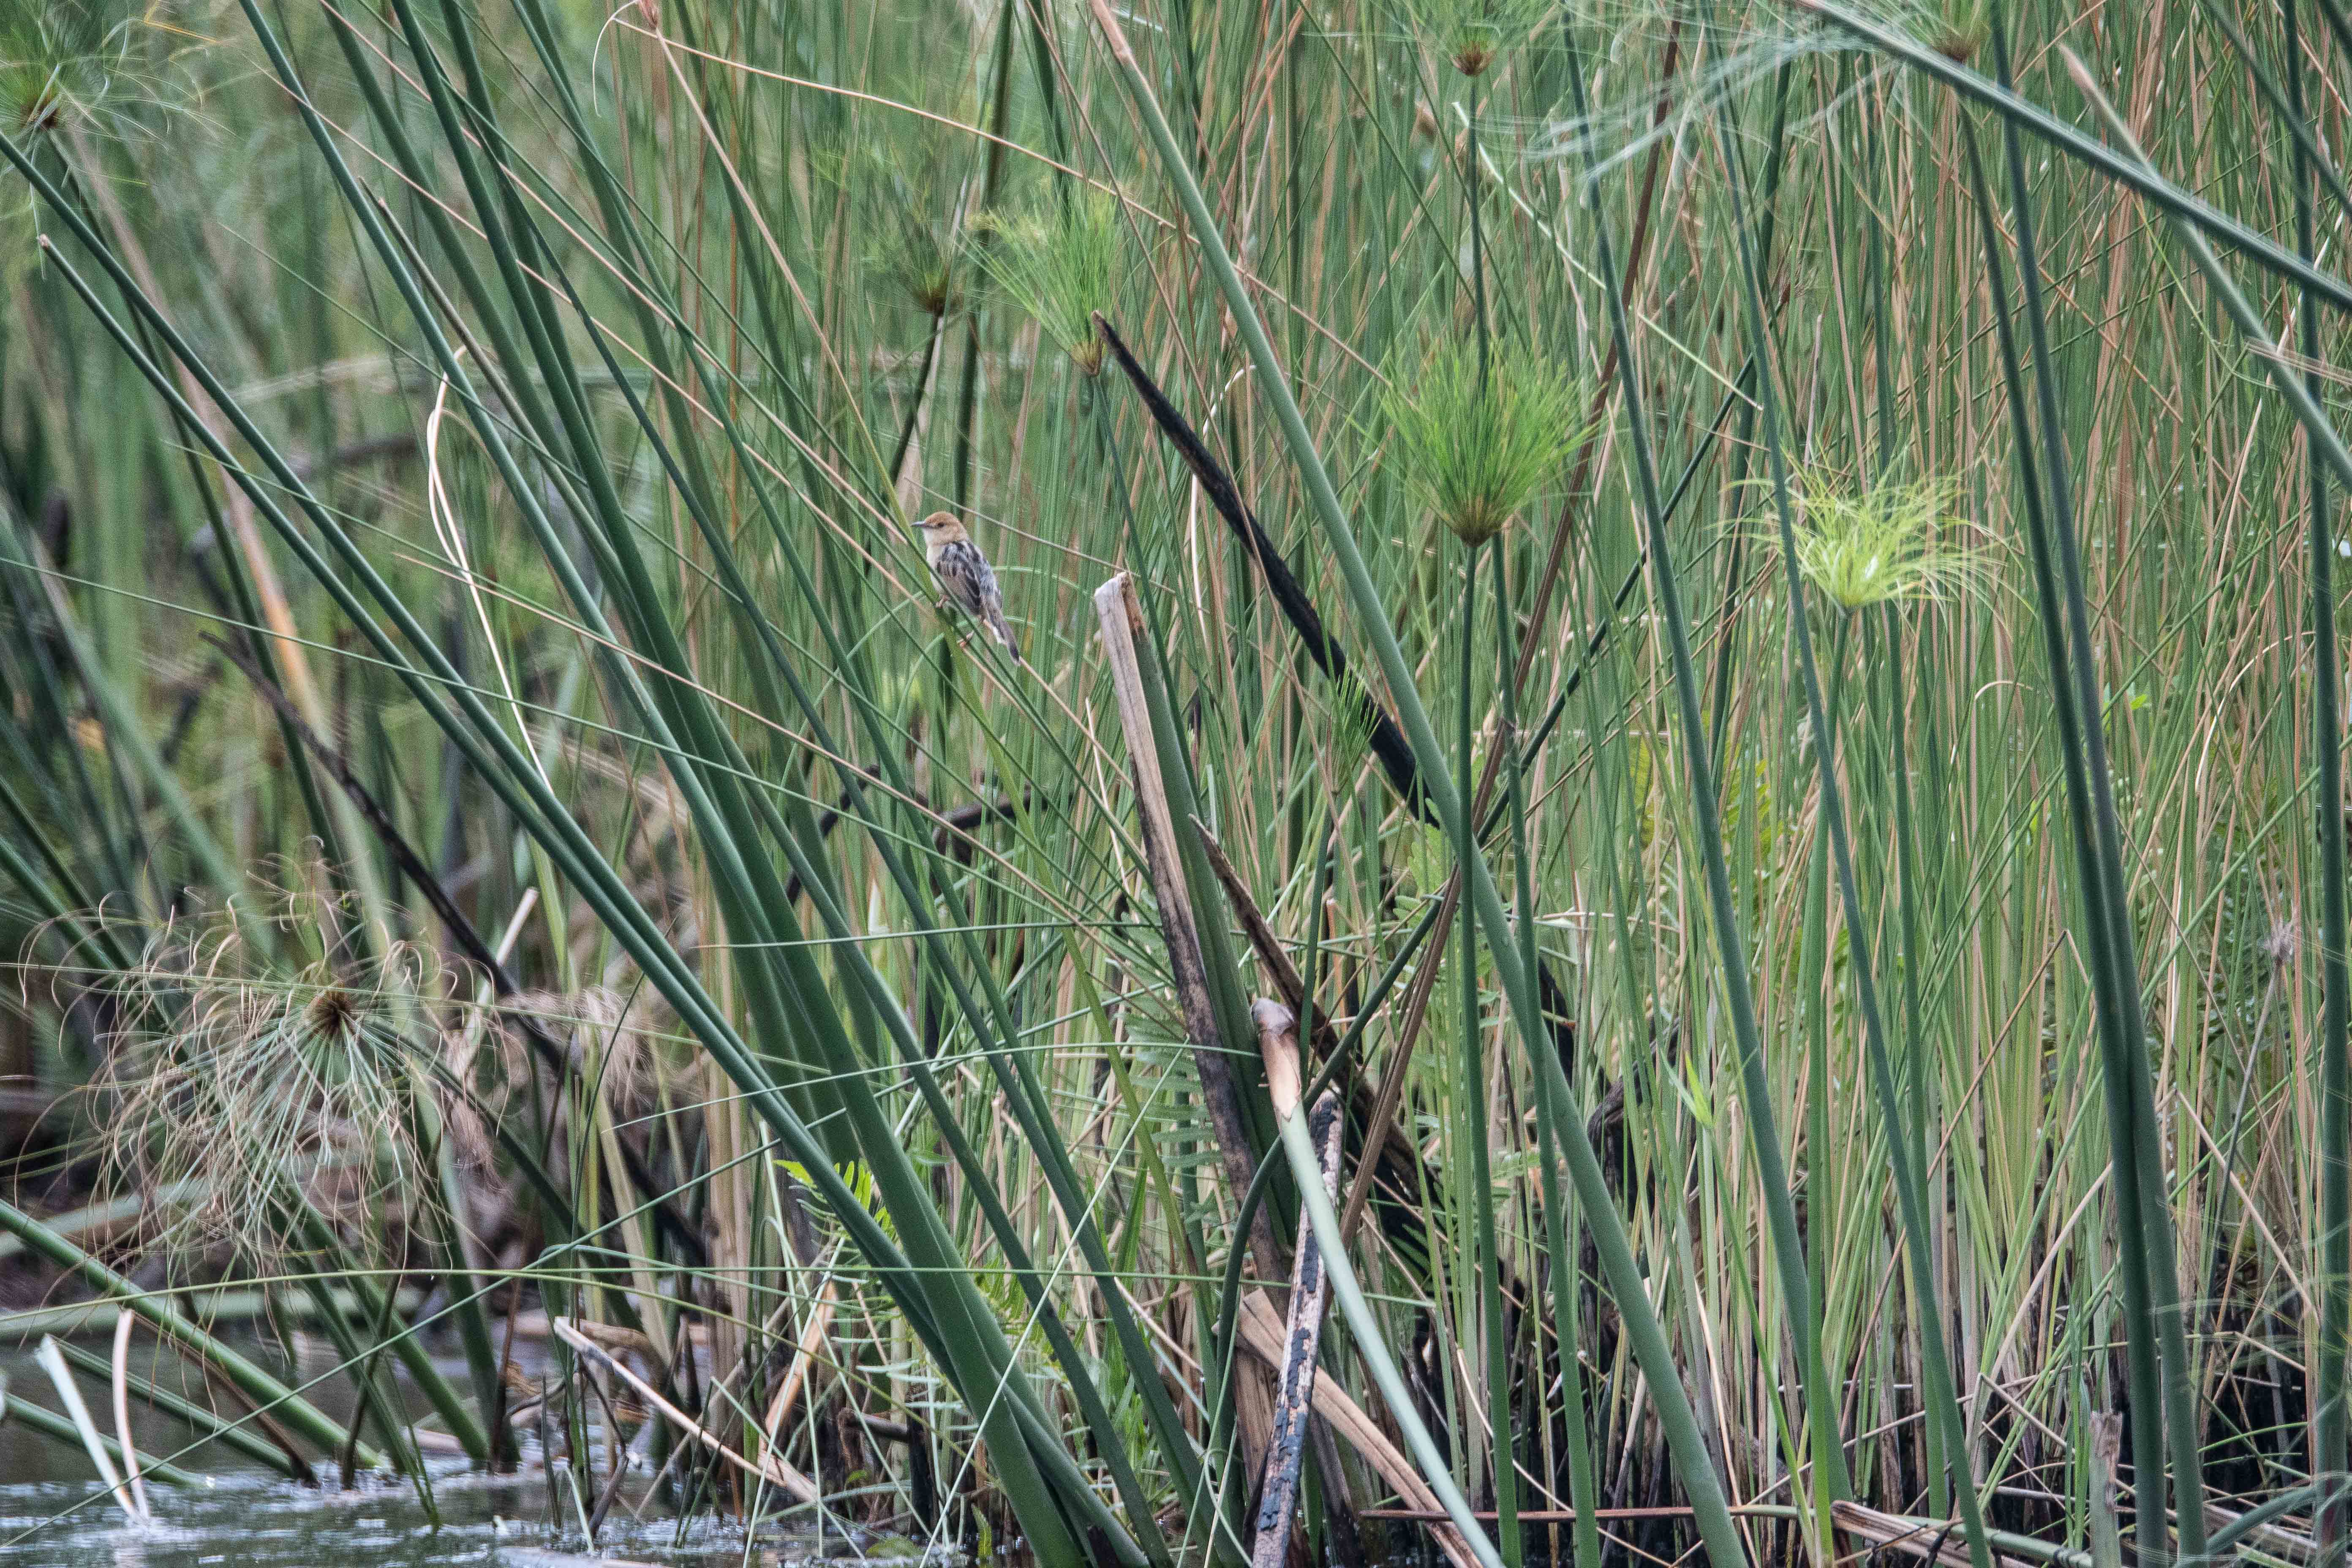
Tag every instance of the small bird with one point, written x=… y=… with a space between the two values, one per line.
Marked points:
x=964 y=576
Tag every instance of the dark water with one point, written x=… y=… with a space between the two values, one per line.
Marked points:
x=54 y=1513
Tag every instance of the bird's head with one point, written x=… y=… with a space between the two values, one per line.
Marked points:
x=940 y=527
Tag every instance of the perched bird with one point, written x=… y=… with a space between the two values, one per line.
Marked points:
x=965 y=576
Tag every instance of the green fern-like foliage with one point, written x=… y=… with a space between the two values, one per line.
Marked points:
x=1475 y=446
x=1471 y=34
x=1880 y=545
x=1060 y=265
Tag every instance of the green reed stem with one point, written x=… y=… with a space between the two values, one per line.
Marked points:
x=1643 y=1329
x=1369 y=1339
x=1559 y=1221
x=1471 y=1093
x=2040 y=502
x=1942 y=1402
x=2330 y=1384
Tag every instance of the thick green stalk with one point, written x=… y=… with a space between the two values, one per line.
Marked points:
x=2147 y=1437
x=2329 y=1441
x=1559 y=1221
x=266 y=1391
x=1943 y=1403
x=1643 y=1329
x=1307 y=1169
x=1921 y=1059
x=1472 y=1089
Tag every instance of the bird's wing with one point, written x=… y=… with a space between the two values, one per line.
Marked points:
x=959 y=571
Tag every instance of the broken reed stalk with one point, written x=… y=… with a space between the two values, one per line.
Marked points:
x=1262 y=1329
x=1387 y=742
x=48 y=1424
x=1306 y=1165
x=101 y=1453
x=1121 y=616
x=1398 y=1156
x=237 y=1435
x=1295 y=1383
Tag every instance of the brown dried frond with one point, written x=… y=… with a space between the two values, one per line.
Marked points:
x=244 y=1084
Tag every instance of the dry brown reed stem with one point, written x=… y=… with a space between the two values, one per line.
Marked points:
x=1416 y=1008
x=122 y=1387
x=1121 y=618
x=1268 y=946
x=770 y=1468
x=1934 y=1539
x=804 y=1354
x=1262 y=1330
x=1277 y=1033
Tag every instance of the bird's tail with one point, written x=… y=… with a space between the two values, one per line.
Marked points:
x=1004 y=634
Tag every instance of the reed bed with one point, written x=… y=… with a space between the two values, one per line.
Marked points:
x=1669 y=792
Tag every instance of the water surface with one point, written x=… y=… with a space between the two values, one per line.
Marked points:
x=53 y=1513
